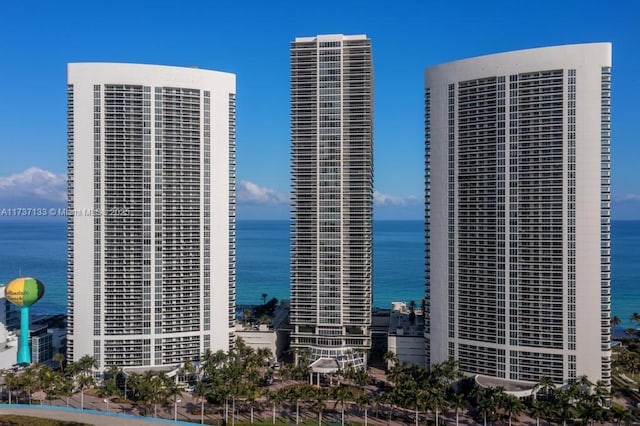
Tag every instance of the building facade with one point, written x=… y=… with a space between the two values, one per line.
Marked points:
x=518 y=213
x=151 y=213
x=332 y=196
x=405 y=336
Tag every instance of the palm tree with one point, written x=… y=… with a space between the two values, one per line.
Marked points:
x=84 y=381
x=622 y=415
x=110 y=386
x=87 y=362
x=295 y=394
x=187 y=368
x=342 y=395
x=154 y=385
x=173 y=391
x=588 y=411
x=437 y=401
x=10 y=382
x=59 y=358
x=420 y=399
x=457 y=402
x=615 y=321
x=377 y=401
x=390 y=359
x=538 y=409
x=262 y=356
x=275 y=398
x=319 y=400
x=82 y=372
x=487 y=400
x=45 y=381
x=363 y=399
x=601 y=393
x=412 y=312
x=251 y=394
x=512 y=406
x=635 y=317
x=564 y=406
x=200 y=392
x=28 y=380
x=546 y=385
x=63 y=386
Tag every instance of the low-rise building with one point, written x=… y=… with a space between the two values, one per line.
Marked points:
x=406 y=333
x=273 y=335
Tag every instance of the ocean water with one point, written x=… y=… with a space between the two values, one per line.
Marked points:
x=263 y=261
x=625 y=270
x=39 y=250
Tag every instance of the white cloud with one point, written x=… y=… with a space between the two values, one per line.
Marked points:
x=394 y=200
x=34 y=184
x=629 y=197
x=249 y=192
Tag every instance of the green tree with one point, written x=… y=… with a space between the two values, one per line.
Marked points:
x=152 y=388
x=82 y=371
x=173 y=392
x=186 y=370
x=59 y=358
x=295 y=394
x=458 y=403
x=512 y=406
x=84 y=381
x=487 y=401
x=29 y=380
x=319 y=399
x=363 y=400
x=62 y=386
x=10 y=381
x=275 y=398
x=437 y=402
x=200 y=392
x=109 y=387
x=538 y=410
x=390 y=359
x=45 y=379
x=343 y=395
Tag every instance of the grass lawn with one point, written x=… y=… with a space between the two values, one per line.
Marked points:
x=12 y=419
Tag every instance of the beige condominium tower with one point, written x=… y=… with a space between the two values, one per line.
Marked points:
x=518 y=213
x=332 y=196
x=151 y=246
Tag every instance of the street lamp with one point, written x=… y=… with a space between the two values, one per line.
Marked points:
x=175 y=408
x=106 y=401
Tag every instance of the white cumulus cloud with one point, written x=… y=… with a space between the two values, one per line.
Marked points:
x=249 y=192
x=381 y=199
x=629 y=197
x=35 y=184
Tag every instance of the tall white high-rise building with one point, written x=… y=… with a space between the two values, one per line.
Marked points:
x=517 y=213
x=332 y=198
x=151 y=225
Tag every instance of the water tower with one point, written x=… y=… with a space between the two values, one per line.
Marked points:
x=24 y=292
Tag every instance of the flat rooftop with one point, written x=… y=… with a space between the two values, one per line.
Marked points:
x=513 y=386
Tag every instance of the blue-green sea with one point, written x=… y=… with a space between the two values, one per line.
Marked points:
x=38 y=249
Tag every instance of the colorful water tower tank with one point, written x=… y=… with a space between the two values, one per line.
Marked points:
x=24 y=292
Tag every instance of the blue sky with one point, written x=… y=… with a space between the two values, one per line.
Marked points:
x=251 y=39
